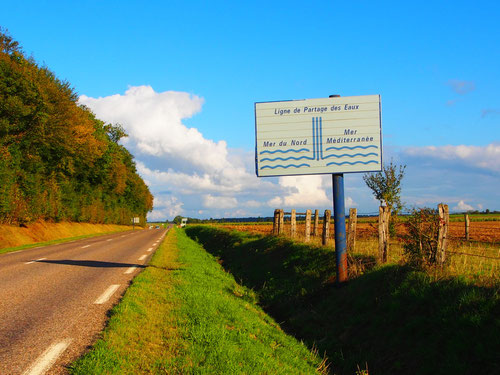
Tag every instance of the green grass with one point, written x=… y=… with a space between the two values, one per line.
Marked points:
x=184 y=314
x=391 y=319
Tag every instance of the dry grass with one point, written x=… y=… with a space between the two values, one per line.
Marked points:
x=13 y=236
x=474 y=260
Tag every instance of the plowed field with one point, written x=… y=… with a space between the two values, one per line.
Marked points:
x=484 y=231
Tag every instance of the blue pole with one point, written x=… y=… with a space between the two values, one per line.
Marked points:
x=339 y=224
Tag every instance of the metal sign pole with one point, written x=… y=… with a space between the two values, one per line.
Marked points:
x=339 y=224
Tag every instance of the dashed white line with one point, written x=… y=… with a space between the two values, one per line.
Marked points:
x=107 y=294
x=142 y=257
x=130 y=270
x=47 y=359
x=123 y=235
x=149 y=249
x=109 y=239
x=34 y=261
x=83 y=247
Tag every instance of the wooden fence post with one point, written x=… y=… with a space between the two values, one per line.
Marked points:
x=293 y=224
x=444 y=222
x=316 y=223
x=308 y=225
x=276 y=221
x=281 y=226
x=467 y=227
x=383 y=233
x=351 y=235
x=326 y=227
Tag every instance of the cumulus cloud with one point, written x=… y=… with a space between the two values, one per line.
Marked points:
x=197 y=172
x=302 y=191
x=154 y=124
x=482 y=157
x=210 y=201
x=165 y=206
x=461 y=87
x=349 y=202
x=462 y=206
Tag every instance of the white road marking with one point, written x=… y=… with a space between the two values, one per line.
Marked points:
x=14 y=252
x=130 y=270
x=83 y=247
x=142 y=257
x=123 y=235
x=47 y=359
x=110 y=239
x=34 y=261
x=149 y=249
x=107 y=294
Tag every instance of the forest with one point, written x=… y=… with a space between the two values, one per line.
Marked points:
x=58 y=162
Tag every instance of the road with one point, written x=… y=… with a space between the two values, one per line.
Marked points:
x=54 y=299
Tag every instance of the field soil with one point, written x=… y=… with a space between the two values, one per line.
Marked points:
x=41 y=231
x=484 y=231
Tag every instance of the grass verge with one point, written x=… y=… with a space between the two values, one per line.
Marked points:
x=183 y=314
x=389 y=320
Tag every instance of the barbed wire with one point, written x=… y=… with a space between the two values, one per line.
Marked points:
x=472 y=255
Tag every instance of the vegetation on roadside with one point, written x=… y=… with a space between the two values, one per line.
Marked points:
x=45 y=234
x=57 y=160
x=184 y=315
x=390 y=320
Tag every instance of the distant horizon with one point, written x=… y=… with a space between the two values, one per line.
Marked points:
x=373 y=214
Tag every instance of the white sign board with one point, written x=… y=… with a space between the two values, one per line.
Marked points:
x=135 y=220
x=318 y=136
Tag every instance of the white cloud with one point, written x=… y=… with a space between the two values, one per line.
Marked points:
x=275 y=202
x=253 y=204
x=154 y=124
x=462 y=206
x=210 y=201
x=303 y=191
x=349 y=203
x=171 y=156
x=483 y=157
x=166 y=206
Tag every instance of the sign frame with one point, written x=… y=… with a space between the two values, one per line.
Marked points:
x=329 y=116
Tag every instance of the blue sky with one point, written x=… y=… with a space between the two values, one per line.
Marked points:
x=200 y=66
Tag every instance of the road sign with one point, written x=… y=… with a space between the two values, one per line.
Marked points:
x=318 y=136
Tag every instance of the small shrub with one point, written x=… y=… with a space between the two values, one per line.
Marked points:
x=420 y=242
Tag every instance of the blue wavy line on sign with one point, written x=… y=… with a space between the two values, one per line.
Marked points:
x=350 y=148
x=351 y=156
x=288 y=158
x=352 y=163
x=283 y=151
x=285 y=166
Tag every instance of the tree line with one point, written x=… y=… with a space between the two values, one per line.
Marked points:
x=58 y=161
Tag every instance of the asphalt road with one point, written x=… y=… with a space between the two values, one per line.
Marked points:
x=54 y=299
